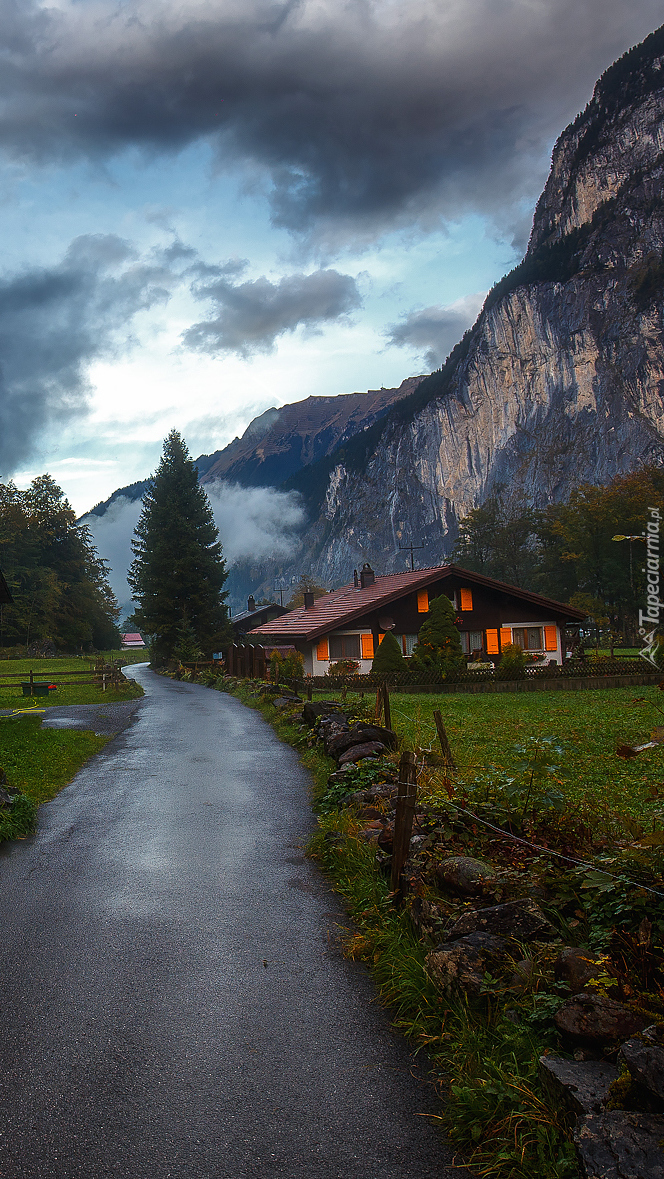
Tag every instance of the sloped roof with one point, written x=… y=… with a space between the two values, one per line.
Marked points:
x=344 y=606
x=242 y=615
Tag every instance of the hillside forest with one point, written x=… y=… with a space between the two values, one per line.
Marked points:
x=62 y=599
x=566 y=551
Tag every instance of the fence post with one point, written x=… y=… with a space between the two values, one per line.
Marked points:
x=31 y=688
x=444 y=741
x=310 y=690
x=386 y=706
x=379 y=702
x=403 y=822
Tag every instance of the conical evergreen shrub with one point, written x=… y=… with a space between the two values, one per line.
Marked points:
x=438 y=648
x=388 y=657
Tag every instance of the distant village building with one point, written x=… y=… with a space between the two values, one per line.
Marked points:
x=131 y=641
x=246 y=620
x=349 y=623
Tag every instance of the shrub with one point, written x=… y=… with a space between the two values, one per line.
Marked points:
x=512 y=666
x=438 y=647
x=343 y=667
x=388 y=657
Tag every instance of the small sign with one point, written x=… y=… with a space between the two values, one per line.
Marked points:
x=217 y=655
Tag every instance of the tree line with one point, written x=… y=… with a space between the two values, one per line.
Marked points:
x=62 y=598
x=566 y=551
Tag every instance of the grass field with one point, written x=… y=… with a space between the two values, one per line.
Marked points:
x=487 y=730
x=57 y=671
x=39 y=762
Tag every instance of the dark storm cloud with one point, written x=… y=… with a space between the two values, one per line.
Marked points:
x=53 y=322
x=362 y=115
x=251 y=315
x=432 y=332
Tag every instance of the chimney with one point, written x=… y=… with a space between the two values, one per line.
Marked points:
x=308 y=600
x=367 y=576
x=356 y=580
x=251 y=604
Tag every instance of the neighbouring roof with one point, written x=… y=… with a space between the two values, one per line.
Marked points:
x=132 y=640
x=5 y=594
x=242 y=615
x=343 y=606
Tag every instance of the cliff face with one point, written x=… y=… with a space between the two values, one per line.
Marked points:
x=560 y=380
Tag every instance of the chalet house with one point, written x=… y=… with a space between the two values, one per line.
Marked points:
x=255 y=616
x=349 y=623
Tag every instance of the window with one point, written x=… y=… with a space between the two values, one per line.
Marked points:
x=408 y=643
x=471 y=640
x=528 y=638
x=423 y=602
x=344 y=646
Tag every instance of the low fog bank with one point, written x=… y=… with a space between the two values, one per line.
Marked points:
x=256 y=525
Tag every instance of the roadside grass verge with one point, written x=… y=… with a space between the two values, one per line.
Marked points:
x=38 y=762
x=57 y=671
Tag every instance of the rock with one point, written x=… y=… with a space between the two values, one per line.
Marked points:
x=576 y=967
x=592 y=1019
x=523 y=973
x=462 y=965
x=518 y=919
x=579 y=1087
x=371 y=749
x=372 y=831
x=311 y=711
x=381 y=790
x=283 y=702
x=339 y=776
x=376 y=733
x=340 y=742
x=7 y=795
x=464 y=874
x=371 y=812
x=620 y=1145
x=644 y=1057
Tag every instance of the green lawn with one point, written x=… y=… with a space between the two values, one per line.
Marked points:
x=58 y=671
x=39 y=762
x=486 y=730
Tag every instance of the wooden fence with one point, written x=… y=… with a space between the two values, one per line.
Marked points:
x=102 y=676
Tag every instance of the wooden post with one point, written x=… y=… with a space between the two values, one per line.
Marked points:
x=310 y=690
x=403 y=822
x=386 y=706
x=379 y=703
x=344 y=691
x=444 y=741
x=31 y=682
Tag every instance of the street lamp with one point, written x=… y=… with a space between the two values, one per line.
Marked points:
x=620 y=536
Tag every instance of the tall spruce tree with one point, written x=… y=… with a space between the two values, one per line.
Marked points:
x=178 y=573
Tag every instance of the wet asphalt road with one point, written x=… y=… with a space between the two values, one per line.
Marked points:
x=173 y=1002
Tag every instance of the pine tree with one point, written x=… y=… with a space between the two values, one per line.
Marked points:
x=178 y=572
x=438 y=646
x=388 y=657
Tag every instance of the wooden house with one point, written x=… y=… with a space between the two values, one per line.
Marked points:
x=246 y=620
x=349 y=623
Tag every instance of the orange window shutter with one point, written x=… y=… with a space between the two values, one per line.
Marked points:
x=466 y=599
x=323 y=650
x=550 y=638
x=492 y=642
x=380 y=639
x=505 y=635
x=367 y=646
x=423 y=602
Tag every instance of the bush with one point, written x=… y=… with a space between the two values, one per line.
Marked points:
x=512 y=666
x=388 y=657
x=343 y=667
x=438 y=647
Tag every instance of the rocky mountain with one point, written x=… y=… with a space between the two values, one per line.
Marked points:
x=279 y=442
x=561 y=377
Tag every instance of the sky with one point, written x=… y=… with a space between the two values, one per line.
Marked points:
x=212 y=208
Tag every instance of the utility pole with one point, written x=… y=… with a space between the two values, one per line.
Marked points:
x=410 y=548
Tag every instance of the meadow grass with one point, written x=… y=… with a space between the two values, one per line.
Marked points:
x=58 y=671
x=486 y=730
x=39 y=762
